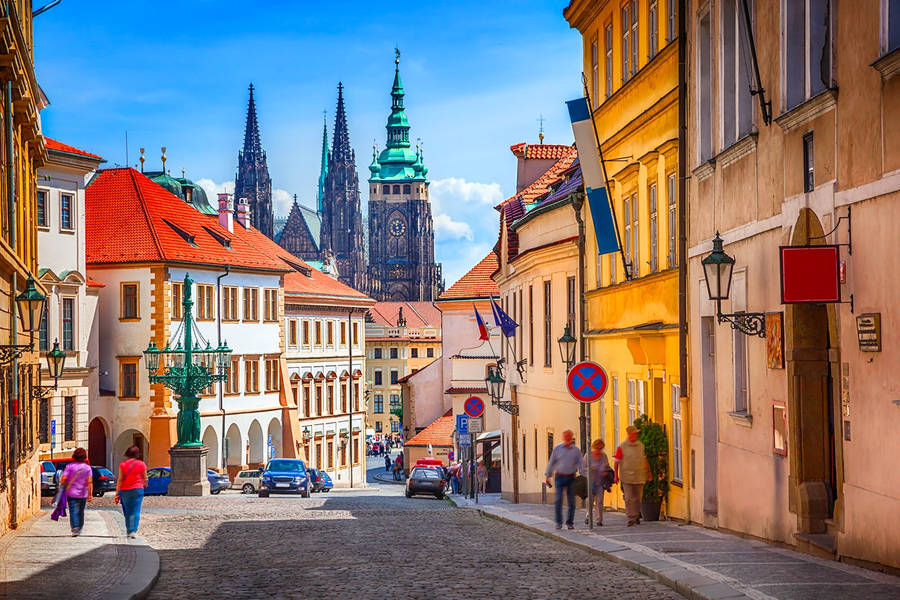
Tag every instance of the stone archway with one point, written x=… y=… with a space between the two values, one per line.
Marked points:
x=211 y=441
x=257 y=445
x=813 y=367
x=234 y=450
x=275 y=432
x=126 y=439
x=97 y=442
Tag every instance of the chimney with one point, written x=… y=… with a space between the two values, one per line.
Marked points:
x=226 y=211
x=528 y=169
x=243 y=212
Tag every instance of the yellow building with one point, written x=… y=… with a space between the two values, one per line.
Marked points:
x=631 y=64
x=401 y=338
x=22 y=150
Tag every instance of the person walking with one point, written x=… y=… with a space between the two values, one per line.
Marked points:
x=130 y=488
x=632 y=471
x=481 y=474
x=601 y=478
x=565 y=461
x=77 y=481
x=387 y=463
x=454 y=477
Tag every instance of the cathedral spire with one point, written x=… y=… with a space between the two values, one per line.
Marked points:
x=252 y=144
x=397 y=125
x=340 y=143
x=323 y=169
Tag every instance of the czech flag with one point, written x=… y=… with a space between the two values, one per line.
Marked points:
x=482 y=330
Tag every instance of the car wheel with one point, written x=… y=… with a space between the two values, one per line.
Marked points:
x=247 y=489
x=214 y=492
x=326 y=490
x=98 y=494
x=263 y=494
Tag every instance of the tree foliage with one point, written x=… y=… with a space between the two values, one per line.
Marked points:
x=656 y=448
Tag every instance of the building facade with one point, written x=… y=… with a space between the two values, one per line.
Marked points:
x=252 y=180
x=141 y=242
x=804 y=417
x=401 y=231
x=20 y=116
x=70 y=316
x=325 y=352
x=630 y=50
x=401 y=338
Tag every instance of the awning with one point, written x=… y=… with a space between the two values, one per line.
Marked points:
x=488 y=435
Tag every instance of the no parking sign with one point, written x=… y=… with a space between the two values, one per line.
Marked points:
x=587 y=382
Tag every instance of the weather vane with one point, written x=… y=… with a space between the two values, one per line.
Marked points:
x=541 y=120
x=397 y=53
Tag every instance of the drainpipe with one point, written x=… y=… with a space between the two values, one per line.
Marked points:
x=682 y=251
x=219 y=340
x=13 y=331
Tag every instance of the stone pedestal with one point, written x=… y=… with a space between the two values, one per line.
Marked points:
x=189 y=477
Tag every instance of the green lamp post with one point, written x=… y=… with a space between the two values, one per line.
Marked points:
x=187 y=369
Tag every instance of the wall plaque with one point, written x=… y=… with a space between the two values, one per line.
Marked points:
x=868 y=332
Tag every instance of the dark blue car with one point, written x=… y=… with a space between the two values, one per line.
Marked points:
x=320 y=481
x=158 y=481
x=284 y=475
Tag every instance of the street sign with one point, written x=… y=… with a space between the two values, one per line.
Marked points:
x=462 y=424
x=476 y=425
x=270 y=439
x=474 y=406
x=52 y=432
x=271 y=451
x=587 y=382
x=465 y=439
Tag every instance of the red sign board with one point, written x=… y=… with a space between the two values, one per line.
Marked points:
x=474 y=407
x=587 y=382
x=810 y=274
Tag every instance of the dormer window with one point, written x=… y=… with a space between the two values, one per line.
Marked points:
x=181 y=232
x=386 y=189
x=226 y=243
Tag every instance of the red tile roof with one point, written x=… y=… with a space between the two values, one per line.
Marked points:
x=129 y=218
x=540 y=151
x=417 y=314
x=94 y=283
x=439 y=433
x=465 y=390
x=60 y=147
x=477 y=283
x=539 y=186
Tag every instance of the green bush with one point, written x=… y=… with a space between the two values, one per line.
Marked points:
x=656 y=447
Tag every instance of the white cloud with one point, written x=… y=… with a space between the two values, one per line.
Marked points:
x=446 y=229
x=453 y=191
x=281 y=199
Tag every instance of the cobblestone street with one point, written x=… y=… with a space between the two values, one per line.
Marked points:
x=348 y=544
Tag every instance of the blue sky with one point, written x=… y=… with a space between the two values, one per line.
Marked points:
x=477 y=76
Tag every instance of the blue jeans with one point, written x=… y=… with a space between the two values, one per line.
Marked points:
x=76 y=512
x=454 y=482
x=565 y=482
x=131 y=506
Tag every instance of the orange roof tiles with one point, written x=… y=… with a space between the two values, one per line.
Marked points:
x=540 y=151
x=439 y=433
x=417 y=314
x=60 y=147
x=94 y=283
x=539 y=186
x=477 y=283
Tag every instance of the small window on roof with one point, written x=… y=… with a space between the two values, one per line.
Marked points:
x=297 y=267
x=181 y=232
x=226 y=243
x=385 y=189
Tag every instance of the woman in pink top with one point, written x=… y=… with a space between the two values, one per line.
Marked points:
x=130 y=488
x=78 y=482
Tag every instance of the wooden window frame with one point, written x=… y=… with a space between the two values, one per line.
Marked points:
x=250 y=306
x=230 y=309
x=205 y=303
x=251 y=380
x=137 y=301
x=317 y=332
x=304 y=330
x=548 y=324
x=129 y=360
x=653 y=229
x=272 y=373
x=270 y=305
x=177 y=299
x=329 y=333
x=233 y=384
x=293 y=333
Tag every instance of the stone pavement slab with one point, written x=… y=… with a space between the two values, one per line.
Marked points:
x=702 y=563
x=42 y=560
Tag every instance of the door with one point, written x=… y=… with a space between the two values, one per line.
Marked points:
x=710 y=416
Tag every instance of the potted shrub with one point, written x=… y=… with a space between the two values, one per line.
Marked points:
x=656 y=447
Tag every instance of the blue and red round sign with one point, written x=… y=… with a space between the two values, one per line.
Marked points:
x=474 y=406
x=587 y=382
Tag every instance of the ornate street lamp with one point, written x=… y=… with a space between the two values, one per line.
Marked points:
x=496 y=385
x=188 y=369
x=30 y=306
x=56 y=358
x=567 y=348
x=717 y=268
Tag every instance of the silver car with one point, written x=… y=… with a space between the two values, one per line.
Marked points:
x=247 y=481
x=48 y=478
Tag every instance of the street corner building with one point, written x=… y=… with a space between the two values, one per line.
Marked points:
x=790 y=431
x=23 y=143
x=141 y=242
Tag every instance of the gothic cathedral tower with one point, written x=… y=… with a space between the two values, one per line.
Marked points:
x=401 y=233
x=252 y=180
x=342 y=232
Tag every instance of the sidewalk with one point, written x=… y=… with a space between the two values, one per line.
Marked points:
x=42 y=560
x=701 y=563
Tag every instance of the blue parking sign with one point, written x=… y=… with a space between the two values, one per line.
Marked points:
x=52 y=426
x=462 y=424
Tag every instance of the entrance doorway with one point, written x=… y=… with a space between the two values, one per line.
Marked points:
x=710 y=416
x=97 y=442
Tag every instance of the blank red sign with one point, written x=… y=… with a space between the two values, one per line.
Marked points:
x=810 y=274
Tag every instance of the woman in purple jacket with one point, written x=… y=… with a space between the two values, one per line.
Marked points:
x=78 y=482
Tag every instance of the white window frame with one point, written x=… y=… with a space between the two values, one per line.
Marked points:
x=672 y=224
x=595 y=70
x=608 y=40
x=677 y=463
x=615 y=392
x=631 y=393
x=654 y=228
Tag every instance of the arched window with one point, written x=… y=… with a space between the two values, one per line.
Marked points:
x=386 y=189
x=396 y=189
x=407 y=189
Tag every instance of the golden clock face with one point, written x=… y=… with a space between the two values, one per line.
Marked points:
x=397 y=227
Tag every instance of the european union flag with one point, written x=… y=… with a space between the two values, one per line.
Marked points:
x=503 y=320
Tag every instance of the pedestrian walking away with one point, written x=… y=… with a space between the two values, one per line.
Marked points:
x=565 y=461
x=77 y=487
x=387 y=463
x=481 y=475
x=130 y=488
x=632 y=472
x=602 y=477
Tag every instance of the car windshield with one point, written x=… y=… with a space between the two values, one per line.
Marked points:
x=425 y=474
x=290 y=466
x=102 y=471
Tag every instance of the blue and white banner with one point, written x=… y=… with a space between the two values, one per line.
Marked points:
x=592 y=173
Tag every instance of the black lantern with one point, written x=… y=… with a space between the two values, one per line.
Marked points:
x=495 y=384
x=56 y=358
x=567 y=348
x=151 y=357
x=717 y=268
x=30 y=304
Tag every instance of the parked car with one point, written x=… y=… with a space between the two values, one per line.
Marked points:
x=48 y=478
x=60 y=464
x=158 y=479
x=217 y=481
x=284 y=475
x=425 y=480
x=247 y=481
x=104 y=481
x=319 y=481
